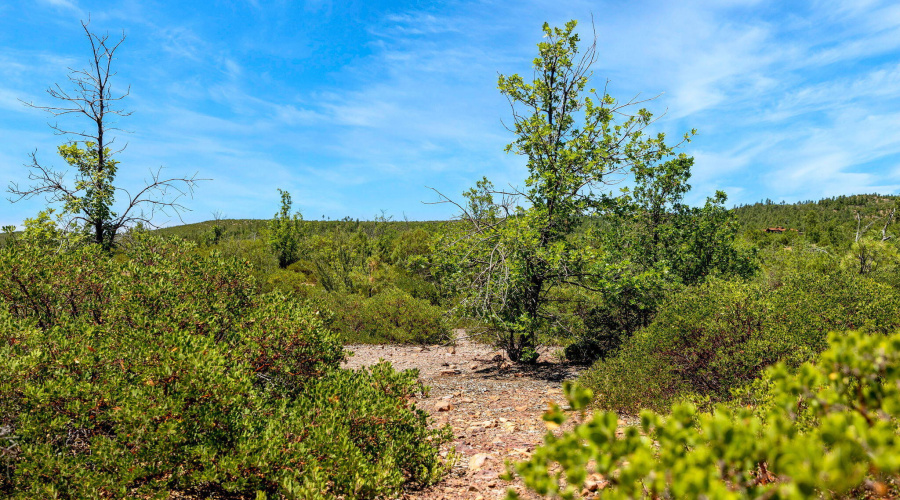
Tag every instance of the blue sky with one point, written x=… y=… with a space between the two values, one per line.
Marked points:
x=356 y=106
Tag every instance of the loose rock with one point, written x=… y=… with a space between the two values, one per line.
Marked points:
x=443 y=406
x=478 y=461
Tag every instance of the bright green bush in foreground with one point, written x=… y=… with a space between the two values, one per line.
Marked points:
x=829 y=431
x=161 y=370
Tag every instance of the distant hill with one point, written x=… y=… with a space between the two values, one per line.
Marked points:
x=248 y=229
x=830 y=221
x=827 y=222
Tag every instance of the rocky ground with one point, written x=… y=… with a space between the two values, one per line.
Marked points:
x=494 y=407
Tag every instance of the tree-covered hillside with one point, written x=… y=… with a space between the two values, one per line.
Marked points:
x=828 y=222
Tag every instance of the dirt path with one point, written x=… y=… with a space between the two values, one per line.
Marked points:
x=494 y=407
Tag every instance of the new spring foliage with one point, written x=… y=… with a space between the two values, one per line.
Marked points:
x=827 y=430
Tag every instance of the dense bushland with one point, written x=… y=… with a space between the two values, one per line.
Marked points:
x=826 y=430
x=160 y=369
x=371 y=280
x=711 y=338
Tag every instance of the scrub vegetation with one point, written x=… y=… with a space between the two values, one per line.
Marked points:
x=756 y=343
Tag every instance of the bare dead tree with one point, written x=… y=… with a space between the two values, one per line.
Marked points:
x=861 y=231
x=88 y=200
x=887 y=222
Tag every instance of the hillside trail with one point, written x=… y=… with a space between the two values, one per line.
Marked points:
x=494 y=407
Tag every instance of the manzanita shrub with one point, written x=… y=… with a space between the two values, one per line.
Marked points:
x=391 y=316
x=160 y=369
x=712 y=338
x=828 y=430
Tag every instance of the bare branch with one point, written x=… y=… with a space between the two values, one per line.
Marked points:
x=90 y=198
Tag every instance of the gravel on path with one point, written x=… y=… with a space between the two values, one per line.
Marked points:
x=493 y=406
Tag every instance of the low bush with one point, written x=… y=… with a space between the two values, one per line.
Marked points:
x=254 y=253
x=720 y=335
x=829 y=431
x=391 y=316
x=602 y=321
x=162 y=370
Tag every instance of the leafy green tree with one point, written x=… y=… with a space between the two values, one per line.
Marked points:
x=654 y=228
x=88 y=202
x=285 y=232
x=517 y=244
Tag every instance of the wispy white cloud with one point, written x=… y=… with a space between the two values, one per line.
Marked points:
x=61 y=4
x=417 y=23
x=791 y=101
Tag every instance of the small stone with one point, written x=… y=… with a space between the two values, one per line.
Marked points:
x=478 y=461
x=473 y=366
x=473 y=488
x=450 y=372
x=465 y=400
x=492 y=484
x=521 y=408
x=443 y=406
x=451 y=350
x=479 y=497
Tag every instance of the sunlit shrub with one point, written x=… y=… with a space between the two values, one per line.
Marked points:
x=391 y=316
x=829 y=430
x=714 y=337
x=161 y=370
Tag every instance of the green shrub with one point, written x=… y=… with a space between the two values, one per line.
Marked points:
x=604 y=320
x=391 y=316
x=295 y=281
x=414 y=284
x=284 y=232
x=830 y=431
x=162 y=370
x=720 y=335
x=254 y=253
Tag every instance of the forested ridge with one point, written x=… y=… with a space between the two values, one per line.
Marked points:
x=829 y=221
